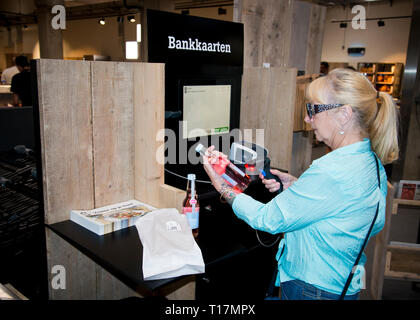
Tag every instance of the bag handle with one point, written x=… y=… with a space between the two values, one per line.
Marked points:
x=350 y=277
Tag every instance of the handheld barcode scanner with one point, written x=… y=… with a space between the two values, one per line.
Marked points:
x=253 y=160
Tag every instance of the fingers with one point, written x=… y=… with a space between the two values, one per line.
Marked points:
x=271 y=184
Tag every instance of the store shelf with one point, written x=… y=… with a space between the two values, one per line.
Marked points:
x=403 y=261
x=392 y=75
x=404 y=202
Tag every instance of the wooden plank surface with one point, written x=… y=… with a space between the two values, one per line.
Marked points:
x=64 y=90
x=315 y=37
x=268 y=103
x=379 y=253
x=110 y=288
x=149 y=108
x=405 y=202
x=113 y=132
x=301 y=152
x=80 y=271
x=266 y=36
x=300 y=26
x=403 y=264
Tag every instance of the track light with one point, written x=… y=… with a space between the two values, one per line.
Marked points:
x=131 y=18
x=381 y=23
x=221 y=11
x=101 y=21
x=343 y=25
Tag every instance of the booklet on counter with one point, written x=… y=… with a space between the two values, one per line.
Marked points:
x=111 y=218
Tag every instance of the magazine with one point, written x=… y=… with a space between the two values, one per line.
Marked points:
x=111 y=218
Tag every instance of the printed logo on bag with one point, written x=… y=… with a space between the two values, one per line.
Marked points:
x=193 y=201
x=173 y=226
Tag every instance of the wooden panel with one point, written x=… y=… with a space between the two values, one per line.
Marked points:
x=402 y=265
x=381 y=243
x=301 y=152
x=276 y=35
x=110 y=288
x=404 y=202
x=171 y=197
x=64 y=91
x=302 y=83
x=92 y=134
x=113 y=132
x=184 y=290
x=315 y=38
x=266 y=36
x=268 y=103
x=149 y=95
x=80 y=271
x=299 y=35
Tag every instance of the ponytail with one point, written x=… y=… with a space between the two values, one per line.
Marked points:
x=383 y=130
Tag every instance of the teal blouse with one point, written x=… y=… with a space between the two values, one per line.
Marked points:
x=325 y=216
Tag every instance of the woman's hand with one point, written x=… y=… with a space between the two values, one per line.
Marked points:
x=218 y=182
x=208 y=161
x=272 y=185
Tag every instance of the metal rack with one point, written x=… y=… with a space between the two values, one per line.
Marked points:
x=21 y=221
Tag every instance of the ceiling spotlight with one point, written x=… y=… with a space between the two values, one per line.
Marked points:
x=381 y=23
x=101 y=21
x=131 y=18
x=343 y=25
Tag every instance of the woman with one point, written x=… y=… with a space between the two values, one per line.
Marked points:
x=326 y=213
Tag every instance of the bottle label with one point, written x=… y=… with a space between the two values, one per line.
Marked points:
x=192 y=217
x=229 y=180
x=238 y=170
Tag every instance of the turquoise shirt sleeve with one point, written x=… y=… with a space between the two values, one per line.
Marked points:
x=310 y=199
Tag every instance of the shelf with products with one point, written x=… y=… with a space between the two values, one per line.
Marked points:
x=386 y=77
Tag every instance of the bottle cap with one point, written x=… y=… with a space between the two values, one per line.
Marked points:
x=199 y=148
x=191 y=176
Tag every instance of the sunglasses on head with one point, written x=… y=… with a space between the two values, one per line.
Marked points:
x=313 y=109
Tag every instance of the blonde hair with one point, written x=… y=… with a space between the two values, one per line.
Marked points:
x=375 y=116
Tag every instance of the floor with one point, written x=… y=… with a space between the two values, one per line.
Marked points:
x=404 y=228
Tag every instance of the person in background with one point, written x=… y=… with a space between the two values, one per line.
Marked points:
x=8 y=73
x=21 y=83
x=326 y=214
x=324 y=68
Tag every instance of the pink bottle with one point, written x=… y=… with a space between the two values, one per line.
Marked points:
x=228 y=171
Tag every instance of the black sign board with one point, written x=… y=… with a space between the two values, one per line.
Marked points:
x=188 y=42
x=203 y=55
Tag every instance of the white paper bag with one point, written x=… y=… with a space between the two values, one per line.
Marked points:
x=169 y=248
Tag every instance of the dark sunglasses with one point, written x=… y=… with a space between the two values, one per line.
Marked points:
x=313 y=109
